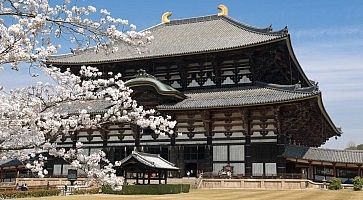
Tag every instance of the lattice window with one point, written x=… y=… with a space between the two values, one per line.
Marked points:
x=237 y=153
x=238 y=168
x=270 y=169
x=257 y=169
x=220 y=153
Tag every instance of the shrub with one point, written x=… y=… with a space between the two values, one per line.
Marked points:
x=335 y=184
x=149 y=189
x=357 y=183
x=33 y=193
x=86 y=191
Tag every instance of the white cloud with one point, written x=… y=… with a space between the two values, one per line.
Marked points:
x=336 y=63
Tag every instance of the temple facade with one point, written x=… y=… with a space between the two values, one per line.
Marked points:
x=237 y=92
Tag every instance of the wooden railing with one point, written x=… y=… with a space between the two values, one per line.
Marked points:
x=213 y=175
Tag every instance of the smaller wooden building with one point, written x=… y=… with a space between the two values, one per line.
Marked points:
x=145 y=166
x=318 y=164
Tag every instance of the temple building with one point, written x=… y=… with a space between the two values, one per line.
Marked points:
x=237 y=92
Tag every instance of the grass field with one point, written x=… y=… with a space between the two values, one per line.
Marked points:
x=229 y=194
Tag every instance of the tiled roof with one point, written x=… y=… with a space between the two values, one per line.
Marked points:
x=10 y=162
x=143 y=79
x=151 y=160
x=186 y=36
x=212 y=98
x=74 y=107
x=327 y=155
x=245 y=96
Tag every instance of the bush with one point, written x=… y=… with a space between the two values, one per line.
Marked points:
x=357 y=183
x=149 y=189
x=106 y=189
x=335 y=184
x=86 y=191
x=33 y=193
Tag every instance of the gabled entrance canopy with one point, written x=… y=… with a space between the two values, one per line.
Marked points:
x=146 y=166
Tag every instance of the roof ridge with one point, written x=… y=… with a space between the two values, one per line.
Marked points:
x=267 y=31
x=296 y=88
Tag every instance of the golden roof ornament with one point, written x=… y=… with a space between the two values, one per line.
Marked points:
x=223 y=10
x=165 y=17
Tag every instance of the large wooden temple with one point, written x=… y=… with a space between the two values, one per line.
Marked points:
x=238 y=94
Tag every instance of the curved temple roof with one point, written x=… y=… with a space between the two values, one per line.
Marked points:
x=243 y=96
x=144 y=79
x=150 y=160
x=179 y=37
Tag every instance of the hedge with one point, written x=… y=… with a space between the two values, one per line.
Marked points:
x=149 y=189
x=87 y=191
x=32 y=193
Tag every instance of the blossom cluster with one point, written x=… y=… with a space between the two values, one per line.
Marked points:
x=31 y=30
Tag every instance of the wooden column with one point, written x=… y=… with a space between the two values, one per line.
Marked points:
x=148 y=177
x=206 y=116
x=125 y=171
x=136 y=133
x=245 y=114
x=310 y=171
x=359 y=171
x=166 y=176
x=281 y=142
x=334 y=170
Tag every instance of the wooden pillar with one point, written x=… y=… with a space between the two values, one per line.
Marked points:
x=143 y=178
x=209 y=135
x=166 y=176
x=159 y=174
x=136 y=134
x=359 y=170
x=334 y=170
x=17 y=171
x=1 y=174
x=310 y=171
x=248 y=147
x=125 y=171
x=148 y=177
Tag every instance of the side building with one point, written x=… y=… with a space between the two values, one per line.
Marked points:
x=238 y=94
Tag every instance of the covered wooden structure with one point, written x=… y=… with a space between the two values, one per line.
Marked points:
x=11 y=169
x=145 y=166
x=318 y=164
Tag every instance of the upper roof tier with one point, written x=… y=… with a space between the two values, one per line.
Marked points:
x=181 y=37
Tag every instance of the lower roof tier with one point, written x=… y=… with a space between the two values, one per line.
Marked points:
x=259 y=94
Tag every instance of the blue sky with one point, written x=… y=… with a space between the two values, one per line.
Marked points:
x=327 y=38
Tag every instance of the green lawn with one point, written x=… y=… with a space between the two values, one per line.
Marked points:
x=224 y=194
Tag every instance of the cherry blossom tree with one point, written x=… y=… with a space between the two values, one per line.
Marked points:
x=32 y=118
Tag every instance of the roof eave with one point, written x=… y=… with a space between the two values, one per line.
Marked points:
x=296 y=62
x=282 y=38
x=240 y=106
x=326 y=115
